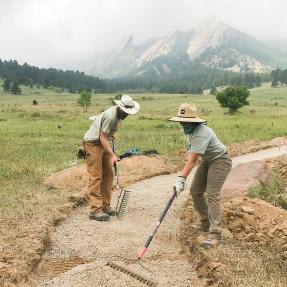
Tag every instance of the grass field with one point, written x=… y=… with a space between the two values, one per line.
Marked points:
x=33 y=147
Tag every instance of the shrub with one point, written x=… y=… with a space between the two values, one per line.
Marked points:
x=233 y=98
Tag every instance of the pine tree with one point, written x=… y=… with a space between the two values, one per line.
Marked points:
x=15 y=89
x=7 y=85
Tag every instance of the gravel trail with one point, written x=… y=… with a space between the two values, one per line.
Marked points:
x=96 y=242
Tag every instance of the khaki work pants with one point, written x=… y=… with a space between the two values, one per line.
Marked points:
x=210 y=177
x=100 y=171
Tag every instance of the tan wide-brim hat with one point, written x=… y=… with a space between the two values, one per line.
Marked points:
x=187 y=113
x=128 y=105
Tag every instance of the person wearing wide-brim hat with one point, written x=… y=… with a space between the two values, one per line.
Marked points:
x=100 y=157
x=210 y=174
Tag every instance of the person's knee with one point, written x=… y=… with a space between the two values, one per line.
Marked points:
x=196 y=191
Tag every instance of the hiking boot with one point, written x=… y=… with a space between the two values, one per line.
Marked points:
x=108 y=210
x=211 y=241
x=99 y=216
x=201 y=226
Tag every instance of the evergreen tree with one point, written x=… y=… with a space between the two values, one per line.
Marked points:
x=7 y=85
x=15 y=88
x=213 y=90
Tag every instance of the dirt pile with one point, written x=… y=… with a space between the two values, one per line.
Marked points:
x=250 y=146
x=279 y=165
x=131 y=170
x=255 y=249
x=256 y=222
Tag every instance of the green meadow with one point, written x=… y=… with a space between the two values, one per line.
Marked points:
x=38 y=140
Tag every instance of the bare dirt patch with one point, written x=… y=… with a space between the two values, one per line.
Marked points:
x=131 y=170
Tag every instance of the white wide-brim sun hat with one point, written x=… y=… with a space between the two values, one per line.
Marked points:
x=187 y=113
x=128 y=105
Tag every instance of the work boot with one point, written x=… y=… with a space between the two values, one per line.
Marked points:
x=211 y=241
x=99 y=216
x=201 y=226
x=108 y=210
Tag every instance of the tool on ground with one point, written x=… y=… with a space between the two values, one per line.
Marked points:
x=123 y=195
x=143 y=251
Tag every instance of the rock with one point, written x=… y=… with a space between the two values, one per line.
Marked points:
x=249 y=219
x=237 y=224
x=227 y=234
x=247 y=209
x=249 y=237
x=243 y=177
x=285 y=254
x=78 y=198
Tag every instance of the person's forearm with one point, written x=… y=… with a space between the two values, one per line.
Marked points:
x=105 y=144
x=188 y=168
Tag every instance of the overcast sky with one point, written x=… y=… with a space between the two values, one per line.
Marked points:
x=48 y=32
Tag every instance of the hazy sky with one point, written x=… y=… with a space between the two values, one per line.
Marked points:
x=47 y=32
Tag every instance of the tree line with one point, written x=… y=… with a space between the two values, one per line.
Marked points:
x=278 y=77
x=193 y=80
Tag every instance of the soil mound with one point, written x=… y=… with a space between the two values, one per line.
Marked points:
x=255 y=145
x=131 y=170
x=254 y=252
x=256 y=222
x=279 y=165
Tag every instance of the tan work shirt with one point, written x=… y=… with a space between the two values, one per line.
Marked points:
x=106 y=122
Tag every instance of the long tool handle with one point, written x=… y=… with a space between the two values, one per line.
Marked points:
x=151 y=236
x=115 y=164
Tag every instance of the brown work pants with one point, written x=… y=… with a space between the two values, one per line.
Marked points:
x=210 y=177
x=100 y=176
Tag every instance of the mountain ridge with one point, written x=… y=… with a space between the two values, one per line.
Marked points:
x=212 y=44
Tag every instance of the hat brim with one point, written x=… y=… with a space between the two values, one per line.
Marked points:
x=130 y=111
x=187 y=120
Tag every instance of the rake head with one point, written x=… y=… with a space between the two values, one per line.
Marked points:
x=131 y=273
x=122 y=204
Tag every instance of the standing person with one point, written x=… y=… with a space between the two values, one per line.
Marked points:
x=100 y=157
x=210 y=174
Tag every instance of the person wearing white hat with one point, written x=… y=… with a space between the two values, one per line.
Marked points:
x=100 y=157
x=210 y=174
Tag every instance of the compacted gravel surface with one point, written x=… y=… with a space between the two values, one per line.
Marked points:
x=96 y=242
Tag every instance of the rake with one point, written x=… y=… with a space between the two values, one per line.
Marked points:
x=140 y=277
x=123 y=195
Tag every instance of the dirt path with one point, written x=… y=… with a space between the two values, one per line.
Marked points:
x=80 y=240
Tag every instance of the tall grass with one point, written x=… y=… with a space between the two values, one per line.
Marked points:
x=273 y=192
x=37 y=140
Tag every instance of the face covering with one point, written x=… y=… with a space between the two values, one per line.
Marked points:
x=122 y=115
x=189 y=128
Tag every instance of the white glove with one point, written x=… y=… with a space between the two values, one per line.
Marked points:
x=179 y=185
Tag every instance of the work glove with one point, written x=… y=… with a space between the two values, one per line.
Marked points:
x=179 y=185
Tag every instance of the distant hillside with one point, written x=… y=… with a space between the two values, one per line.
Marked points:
x=211 y=44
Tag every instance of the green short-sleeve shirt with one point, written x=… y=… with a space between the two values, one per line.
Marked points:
x=203 y=141
x=106 y=122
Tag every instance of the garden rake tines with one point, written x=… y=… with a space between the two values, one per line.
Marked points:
x=143 y=251
x=123 y=195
